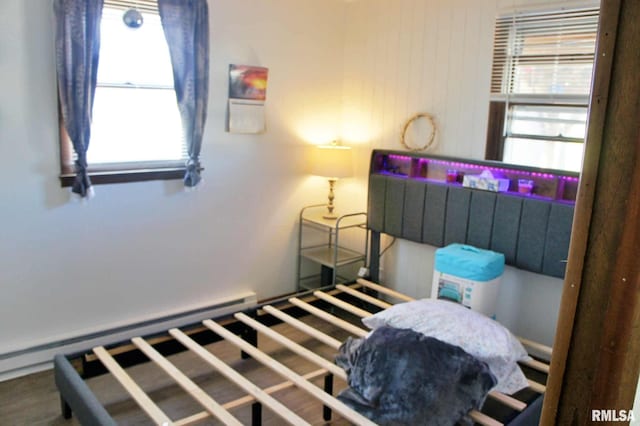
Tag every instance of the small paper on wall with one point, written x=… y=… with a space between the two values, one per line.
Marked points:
x=246 y=116
x=247 y=94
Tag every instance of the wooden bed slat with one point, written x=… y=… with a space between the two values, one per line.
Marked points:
x=293 y=346
x=237 y=378
x=537 y=346
x=483 y=419
x=536 y=365
x=360 y=295
x=342 y=304
x=194 y=418
x=208 y=403
x=139 y=395
x=248 y=399
x=277 y=388
x=335 y=344
x=284 y=371
x=338 y=322
x=324 y=338
x=537 y=387
x=507 y=400
x=384 y=290
x=128 y=347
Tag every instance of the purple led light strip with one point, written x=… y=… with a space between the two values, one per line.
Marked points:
x=400 y=157
x=456 y=164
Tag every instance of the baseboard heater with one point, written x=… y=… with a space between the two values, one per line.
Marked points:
x=39 y=357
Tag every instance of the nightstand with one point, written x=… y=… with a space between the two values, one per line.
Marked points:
x=329 y=250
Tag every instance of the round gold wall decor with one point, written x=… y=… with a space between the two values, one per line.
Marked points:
x=425 y=120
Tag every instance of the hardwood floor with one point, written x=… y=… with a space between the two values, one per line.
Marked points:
x=34 y=399
x=31 y=400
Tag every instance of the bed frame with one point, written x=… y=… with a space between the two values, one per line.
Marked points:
x=408 y=205
x=355 y=301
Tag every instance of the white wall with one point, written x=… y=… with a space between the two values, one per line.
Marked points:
x=140 y=249
x=408 y=56
x=353 y=70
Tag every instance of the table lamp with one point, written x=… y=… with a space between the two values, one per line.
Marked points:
x=333 y=162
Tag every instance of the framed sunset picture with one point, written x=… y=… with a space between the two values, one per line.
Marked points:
x=248 y=82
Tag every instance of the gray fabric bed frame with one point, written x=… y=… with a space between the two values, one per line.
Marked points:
x=532 y=232
x=76 y=397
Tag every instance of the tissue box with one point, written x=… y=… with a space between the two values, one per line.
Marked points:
x=488 y=183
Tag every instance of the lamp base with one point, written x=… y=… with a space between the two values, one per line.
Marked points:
x=330 y=216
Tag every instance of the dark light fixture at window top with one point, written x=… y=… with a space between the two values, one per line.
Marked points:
x=132 y=18
x=133 y=10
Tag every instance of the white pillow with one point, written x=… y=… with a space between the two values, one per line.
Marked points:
x=455 y=324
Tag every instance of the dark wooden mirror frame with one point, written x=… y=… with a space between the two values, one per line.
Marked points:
x=595 y=362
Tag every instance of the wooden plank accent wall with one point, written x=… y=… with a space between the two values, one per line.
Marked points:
x=409 y=56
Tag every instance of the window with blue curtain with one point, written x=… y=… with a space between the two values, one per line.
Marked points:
x=142 y=117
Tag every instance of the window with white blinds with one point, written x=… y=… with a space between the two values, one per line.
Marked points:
x=541 y=80
x=136 y=123
x=544 y=56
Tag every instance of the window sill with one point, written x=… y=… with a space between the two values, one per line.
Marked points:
x=125 y=176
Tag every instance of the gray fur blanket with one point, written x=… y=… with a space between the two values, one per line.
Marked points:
x=400 y=377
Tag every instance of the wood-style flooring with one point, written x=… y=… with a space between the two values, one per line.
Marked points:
x=34 y=400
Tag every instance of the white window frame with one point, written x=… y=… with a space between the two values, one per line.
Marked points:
x=568 y=25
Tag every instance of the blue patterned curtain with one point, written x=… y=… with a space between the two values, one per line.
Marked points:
x=77 y=54
x=186 y=28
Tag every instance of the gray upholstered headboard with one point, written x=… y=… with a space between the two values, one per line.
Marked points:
x=410 y=198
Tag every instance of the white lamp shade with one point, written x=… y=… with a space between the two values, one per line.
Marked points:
x=332 y=161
